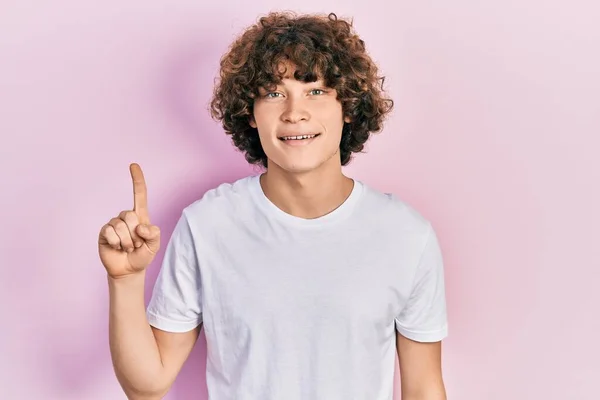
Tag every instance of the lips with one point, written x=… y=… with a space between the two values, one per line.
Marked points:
x=298 y=136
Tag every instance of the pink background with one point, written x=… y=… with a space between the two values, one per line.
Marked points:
x=494 y=138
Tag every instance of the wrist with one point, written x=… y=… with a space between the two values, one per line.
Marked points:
x=135 y=278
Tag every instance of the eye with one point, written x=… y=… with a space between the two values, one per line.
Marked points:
x=272 y=95
x=321 y=91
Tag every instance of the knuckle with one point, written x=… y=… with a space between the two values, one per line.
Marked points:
x=108 y=232
x=114 y=222
x=120 y=225
x=131 y=218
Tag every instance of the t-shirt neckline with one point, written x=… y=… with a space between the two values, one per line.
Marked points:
x=339 y=213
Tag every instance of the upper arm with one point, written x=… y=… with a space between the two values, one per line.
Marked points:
x=423 y=317
x=421 y=326
x=175 y=308
x=174 y=349
x=420 y=369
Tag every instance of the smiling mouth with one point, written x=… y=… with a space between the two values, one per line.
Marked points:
x=298 y=137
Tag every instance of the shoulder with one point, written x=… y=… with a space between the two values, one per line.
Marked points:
x=221 y=202
x=392 y=210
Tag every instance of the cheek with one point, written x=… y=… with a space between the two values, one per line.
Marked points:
x=266 y=142
x=266 y=119
x=330 y=115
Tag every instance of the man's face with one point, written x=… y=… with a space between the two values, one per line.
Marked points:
x=299 y=125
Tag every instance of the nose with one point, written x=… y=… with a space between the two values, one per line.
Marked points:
x=295 y=112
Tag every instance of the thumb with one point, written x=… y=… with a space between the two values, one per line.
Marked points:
x=151 y=235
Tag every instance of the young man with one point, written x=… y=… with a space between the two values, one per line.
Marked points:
x=306 y=281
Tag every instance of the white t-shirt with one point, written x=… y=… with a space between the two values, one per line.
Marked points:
x=301 y=309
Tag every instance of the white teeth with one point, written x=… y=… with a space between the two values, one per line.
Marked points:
x=298 y=137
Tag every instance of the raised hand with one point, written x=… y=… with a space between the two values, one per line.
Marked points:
x=128 y=243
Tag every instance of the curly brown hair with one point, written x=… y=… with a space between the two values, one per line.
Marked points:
x=319 y=47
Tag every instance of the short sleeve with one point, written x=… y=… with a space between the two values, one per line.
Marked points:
x=424 y=317
x=175 y=305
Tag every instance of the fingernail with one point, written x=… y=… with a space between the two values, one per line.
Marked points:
x=138 y=244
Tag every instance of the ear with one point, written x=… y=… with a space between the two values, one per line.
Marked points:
x=347 y=119
x=252 y=122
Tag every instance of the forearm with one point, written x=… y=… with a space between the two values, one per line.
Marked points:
x=434 y=396
x=133 y=347
x=431 y=392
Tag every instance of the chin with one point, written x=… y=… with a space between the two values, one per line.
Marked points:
x=296 y=167
x=302 y=160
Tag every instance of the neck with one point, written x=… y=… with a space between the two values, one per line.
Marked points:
x=306 y=195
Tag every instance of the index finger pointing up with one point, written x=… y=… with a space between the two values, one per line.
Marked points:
x=140 y=194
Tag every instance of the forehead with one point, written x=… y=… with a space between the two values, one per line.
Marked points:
x=287 y=70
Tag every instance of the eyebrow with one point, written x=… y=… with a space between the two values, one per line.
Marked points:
x=318 y=82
